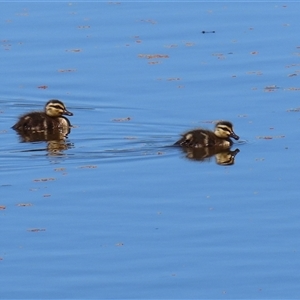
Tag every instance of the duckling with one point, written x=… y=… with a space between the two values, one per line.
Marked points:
x=52 y=118
x=199 y=138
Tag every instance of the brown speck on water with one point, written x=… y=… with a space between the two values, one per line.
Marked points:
x=271 y=88
x=189 y=44
x=265 y=137
x=36 y=229
x=268 y=137
x=74 y=50
x=173 y=79
x=297 y=109
x=88 y=167
x=219 y=55
x=209 y=122
x=66 y=70
x=24 y=204
x=2 y=207
x=292 y=89
x=151 y=56
x=43 y=87
x=258 y=73
x=148 y=21
x=122 y=119
x=43 y=179
x=59 y=169
x=171 y=46
x=46 y=195
x=293 y=65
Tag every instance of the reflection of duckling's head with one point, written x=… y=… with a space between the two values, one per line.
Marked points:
x=55 y=108
x=226 y=158
x=224 y=130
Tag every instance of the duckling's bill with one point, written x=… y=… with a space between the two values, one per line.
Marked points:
x=67 y=113
x=234 y=136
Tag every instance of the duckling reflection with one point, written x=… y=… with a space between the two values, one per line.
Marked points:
x=56 y=139
x=223 y=157
x=56 y=147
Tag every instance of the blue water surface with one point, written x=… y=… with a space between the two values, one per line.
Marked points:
x=116 y=211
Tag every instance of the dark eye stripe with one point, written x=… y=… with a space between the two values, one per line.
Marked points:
x=225 y=128
x=57 y=106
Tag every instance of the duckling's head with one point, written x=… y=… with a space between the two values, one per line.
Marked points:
x=55 y=108
x=224 y=130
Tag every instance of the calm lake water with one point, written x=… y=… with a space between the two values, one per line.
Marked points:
x=114 y=211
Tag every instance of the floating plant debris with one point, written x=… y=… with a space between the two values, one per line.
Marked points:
x=122 y=119
x=151 y=56
x=44 y=179
x=149 y=21
x=88 y=167
x=74 y=50
x=36 y=229
x=271 y=88
x=66 y=70
x=268 y=137
x=297 y=109
x=24 y=204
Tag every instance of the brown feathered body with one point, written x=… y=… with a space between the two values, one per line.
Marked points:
x=50 y=119
x=200 y=138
